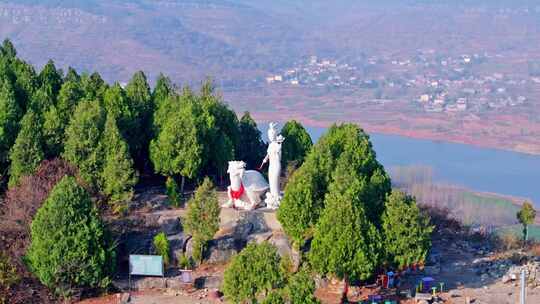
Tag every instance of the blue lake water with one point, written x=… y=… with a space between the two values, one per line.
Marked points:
x=480 y=169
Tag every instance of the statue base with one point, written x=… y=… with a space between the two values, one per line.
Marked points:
x=272 y=201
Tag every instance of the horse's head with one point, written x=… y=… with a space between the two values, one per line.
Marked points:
x=236 y=168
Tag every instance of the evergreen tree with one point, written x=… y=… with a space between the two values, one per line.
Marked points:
x=140 y=100
x=82 y=146
x=7 y=49
x=345 y=243
x=53 y=132
x=50 y=79
x=406 y=232
x=27 y=152
x=164 y=89
x=10 y=113
x=251 y=148
x=70 y=246
x=526 y=216
x=306 y=189
x=93 y=86
x=301 y=288
x=56 y=118
x=68 y=98
x=222 y=139
x=72 y=76
x=118 y=177
x=251 y=273
x=297 y=143
x=118 y=105
x=202 y=220
x=178 y=148
x=42 y=100
x=26 y=82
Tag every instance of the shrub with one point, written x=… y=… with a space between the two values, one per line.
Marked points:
x=185 y=262
x=8 y=274
x=162 y=247
x=202 y=220
x=254 y=271
x=301 y=288
x=70 y=248
x=172 y=192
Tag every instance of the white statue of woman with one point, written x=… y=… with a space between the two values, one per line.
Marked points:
x=273 y=155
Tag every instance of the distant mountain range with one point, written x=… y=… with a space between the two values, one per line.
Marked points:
x=236 y=41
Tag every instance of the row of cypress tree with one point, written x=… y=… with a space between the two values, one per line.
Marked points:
x=112 y=132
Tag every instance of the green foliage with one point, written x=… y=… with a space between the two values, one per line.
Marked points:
x=118 y=177
x=254 y=271
x=304 y=194
x=50 y=79
x=202 y=219
x=93 y=86
x=68 y=98
x=83 y=136
x=27 y=152
x=222 y=137
x=407 y=233
x=251 y=148
x=172 y=192
x=301 y=288
x=53 y=132
x=164 y=89
x=140 y=108
x=7 y=49
x=70 y=246
x=526 y=216
x=162 y=247
x=41 y=100
x=178 y=148
x=8 y=273
x=10 y=113
x=185 y=262
x=345 y=243
x=275 y=297
x=72 y=76
x=297 y=143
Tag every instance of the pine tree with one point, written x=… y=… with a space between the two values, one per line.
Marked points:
x=53 y=132
x=178 y=148
x=406 y=232
x=93 y=86
x=68 y=98
x=10 y=113
x=164 y=89
x=253 y=272
x=345 y=243
x=140 y=101
x=72 y=76
x=51 y=79
x=301 y=288
x=305 y=192
x=297 y=143
x=202 y=220
x=82 y=146
x=251 y=148
x=222 y=139
x=70 y=247
x=118 y=177
x=7 y=49
x=27 y=152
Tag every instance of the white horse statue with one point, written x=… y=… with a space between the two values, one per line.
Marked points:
x=247 y=187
